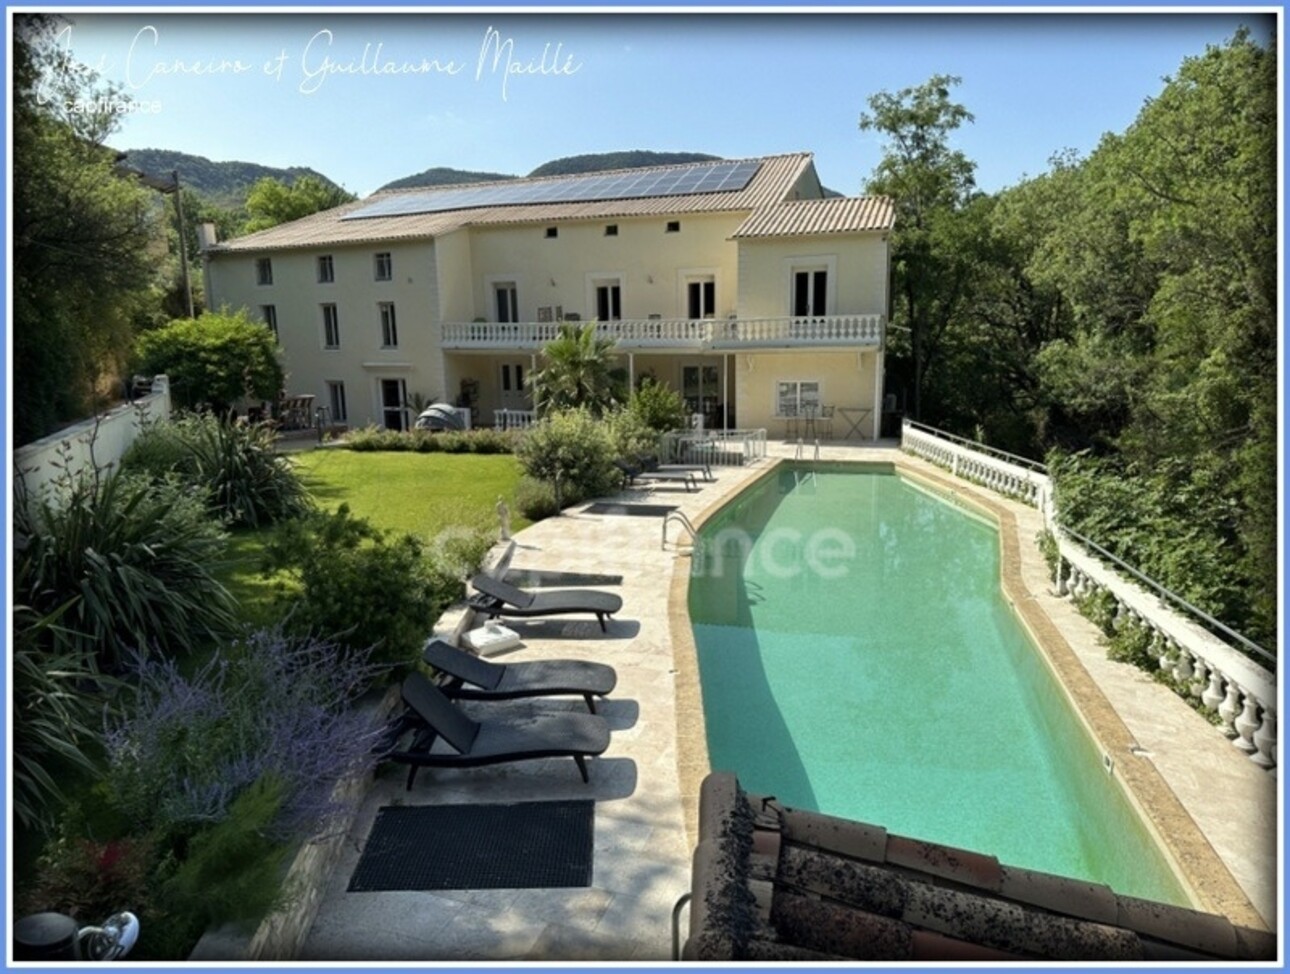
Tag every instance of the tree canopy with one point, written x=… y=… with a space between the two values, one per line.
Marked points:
x=578 y=372
x=84 y=249
x=1117 y=313
x=272 y=202
x=213 y=360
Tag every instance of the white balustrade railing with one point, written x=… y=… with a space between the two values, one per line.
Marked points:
x=512 y=419
x=1206 y=670
x=678 y=332
x=731 y=448
x=826 y=330
x=1028 y=485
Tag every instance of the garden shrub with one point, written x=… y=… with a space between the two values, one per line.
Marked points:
x=187 y=747
x=535 y=499
x=631 y=435
x=232 y=871
x=571 y=451
x=1099 y=608
x=372 y=438
x=215 y=359
x=1131 y=643
x=359 y=585
x=484 y=441
x=1047 y=542
x=246 y=481
x=130 y=565
x=659 y=407
x=90 y=880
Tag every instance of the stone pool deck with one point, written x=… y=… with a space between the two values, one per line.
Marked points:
x=645 y=785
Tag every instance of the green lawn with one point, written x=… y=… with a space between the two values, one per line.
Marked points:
x=420 y=493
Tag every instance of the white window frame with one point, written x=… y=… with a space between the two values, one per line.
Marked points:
x=269 y=312
x=383 y=261
x=798 y=400
x=512 y=292
x=817 y=262
x=264 y=272
x=389 y=324
x=326 y=269
x=331 y=327
x=336 y=401
x=597 y=280
x=687 y=276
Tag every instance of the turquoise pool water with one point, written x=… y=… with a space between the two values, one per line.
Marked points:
x=857 y=658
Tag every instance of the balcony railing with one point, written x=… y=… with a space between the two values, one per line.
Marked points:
x=689 y=333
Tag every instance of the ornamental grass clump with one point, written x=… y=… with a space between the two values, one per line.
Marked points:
x=128 y=566
x=246 y=483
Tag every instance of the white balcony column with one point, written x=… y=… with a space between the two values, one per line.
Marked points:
x=1199 y=680
x=725 y=391
x=877 y=394
x=1229 y=708
x=1247 y=724
x=1265 y=739
x=1213 y=694
x=1182 y=669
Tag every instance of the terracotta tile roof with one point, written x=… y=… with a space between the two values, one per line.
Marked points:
x=834 y=215
x=772 y=183
x=771 y=883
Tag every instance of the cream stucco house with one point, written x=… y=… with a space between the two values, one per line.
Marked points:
x=735 y=282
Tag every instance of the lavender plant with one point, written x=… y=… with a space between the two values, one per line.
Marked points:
x=273 y=706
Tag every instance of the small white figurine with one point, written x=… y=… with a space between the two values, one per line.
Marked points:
x=503 y=519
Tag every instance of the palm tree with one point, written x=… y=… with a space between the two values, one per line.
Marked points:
x=578 y=372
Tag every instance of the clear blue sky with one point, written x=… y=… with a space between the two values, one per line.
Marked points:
x=733 y=85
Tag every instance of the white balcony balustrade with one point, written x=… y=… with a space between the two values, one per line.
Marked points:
x=687 y=333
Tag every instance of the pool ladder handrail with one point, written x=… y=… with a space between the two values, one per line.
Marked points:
x=676 y=925
x=797 y=454
x=681 y=519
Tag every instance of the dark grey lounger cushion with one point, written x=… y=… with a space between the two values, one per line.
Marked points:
x=521 y=603
x=483 y=678
x=491 y=741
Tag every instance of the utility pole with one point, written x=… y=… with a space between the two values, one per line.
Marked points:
x=183 y=244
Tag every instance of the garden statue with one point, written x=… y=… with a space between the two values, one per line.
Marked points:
x=503 y=519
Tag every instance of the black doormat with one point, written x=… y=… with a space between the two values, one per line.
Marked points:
x=526 y=845
x=636 y=510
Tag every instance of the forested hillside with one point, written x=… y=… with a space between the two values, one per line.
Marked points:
x=223 y=184
x=1116 y=315
x=442 y=176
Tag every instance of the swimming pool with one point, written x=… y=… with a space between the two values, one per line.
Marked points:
x=857 y=657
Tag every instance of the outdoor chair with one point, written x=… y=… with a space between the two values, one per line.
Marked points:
x=431 y=716
x=475 y=678
x=497 y=598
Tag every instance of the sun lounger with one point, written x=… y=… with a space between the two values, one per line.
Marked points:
x=431 y=716
x=633 y=473
x=500 y=599
x=474 y=678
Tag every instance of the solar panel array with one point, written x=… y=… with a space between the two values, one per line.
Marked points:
x=710 y=177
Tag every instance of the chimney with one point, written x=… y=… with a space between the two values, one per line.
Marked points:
x=206 y=236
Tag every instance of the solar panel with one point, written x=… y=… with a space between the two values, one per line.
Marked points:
x=706 y=177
